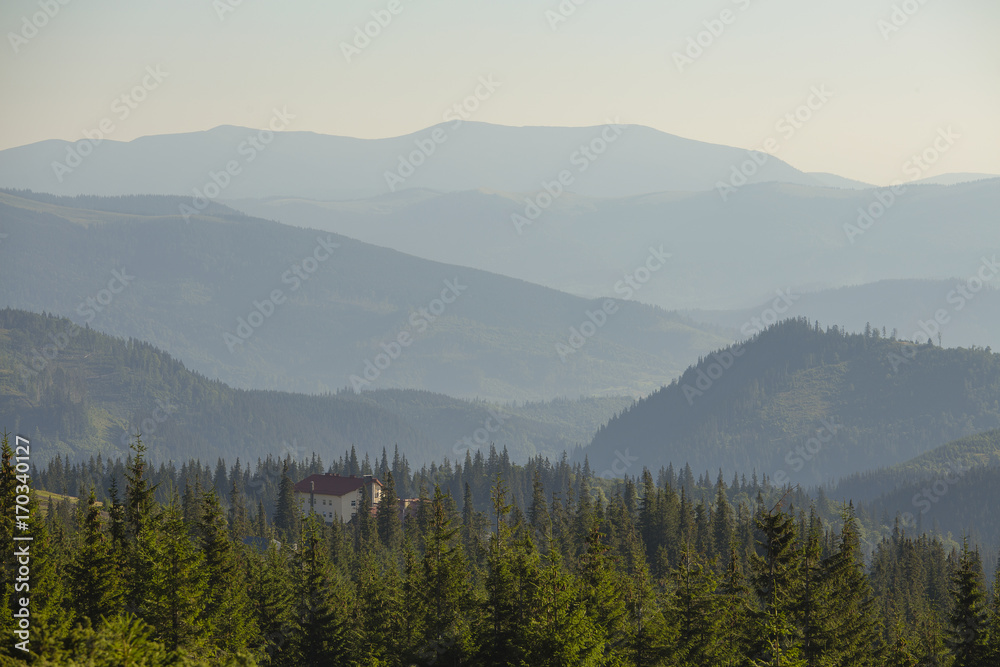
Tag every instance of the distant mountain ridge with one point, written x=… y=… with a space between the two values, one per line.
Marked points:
x=973 y=318
x=772 y=235
x=605 y=161
x=263 y=305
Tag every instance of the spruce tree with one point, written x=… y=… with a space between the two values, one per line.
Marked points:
x=500 y=640
x=968 y=624
x=538 y=513
x=227 y=608
x=446 y=589
x=177 y=591
x=775 y=567
x=93 y=573
x=695 y=611
x=735 y=641
x=141 y=525
x=852 y=627
x=286 y=514
x=324 y=637
x=381 y=610
x=562 y=634
x=390 y=529
x=271 y=592
x=602 y=594
x=722 y=523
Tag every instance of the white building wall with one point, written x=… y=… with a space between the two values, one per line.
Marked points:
x=330 y=507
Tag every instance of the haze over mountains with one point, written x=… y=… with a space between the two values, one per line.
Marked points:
x=348 y=314
x=454 y=284
x=606 y=161
x=96 y=391
x=726 y=254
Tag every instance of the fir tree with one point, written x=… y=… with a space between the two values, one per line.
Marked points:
x=93 y=574
x=177 y=591
x=968 y=631
x=852 y=627
x=390 y=529
x=227 y=607
x=776 y=580
x=446 y=590
x=602 y=595
x=286 y=513
x=324 y=638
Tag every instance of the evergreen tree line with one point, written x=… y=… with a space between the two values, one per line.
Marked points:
x=642 y=575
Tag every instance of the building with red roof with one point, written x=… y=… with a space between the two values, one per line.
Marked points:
x=336 y=497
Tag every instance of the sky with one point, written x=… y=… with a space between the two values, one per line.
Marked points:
x=883 y=77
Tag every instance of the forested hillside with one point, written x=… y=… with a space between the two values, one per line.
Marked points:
x=805 y=404
x=975 y=451
x=78 y=392
x=639 y=575
x=260 y=305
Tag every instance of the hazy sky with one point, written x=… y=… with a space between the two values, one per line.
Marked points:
x=892 y=90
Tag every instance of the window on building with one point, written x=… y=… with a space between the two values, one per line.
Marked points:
x=354 y=503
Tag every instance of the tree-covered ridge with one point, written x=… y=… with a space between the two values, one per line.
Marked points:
x=757 y=405
x=97 y=391
x=954 y=458
x=637 y=575
x=263 y=305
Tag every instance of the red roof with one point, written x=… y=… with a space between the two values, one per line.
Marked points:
x=333 y=485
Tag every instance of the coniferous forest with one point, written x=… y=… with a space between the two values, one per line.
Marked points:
x=519 y=565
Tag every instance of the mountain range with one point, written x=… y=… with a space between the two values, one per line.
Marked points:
x=261 y=305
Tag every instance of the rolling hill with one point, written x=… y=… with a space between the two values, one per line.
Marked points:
x=800 y=404
x=262 y=305
x=948 y=460
x=92 y=391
